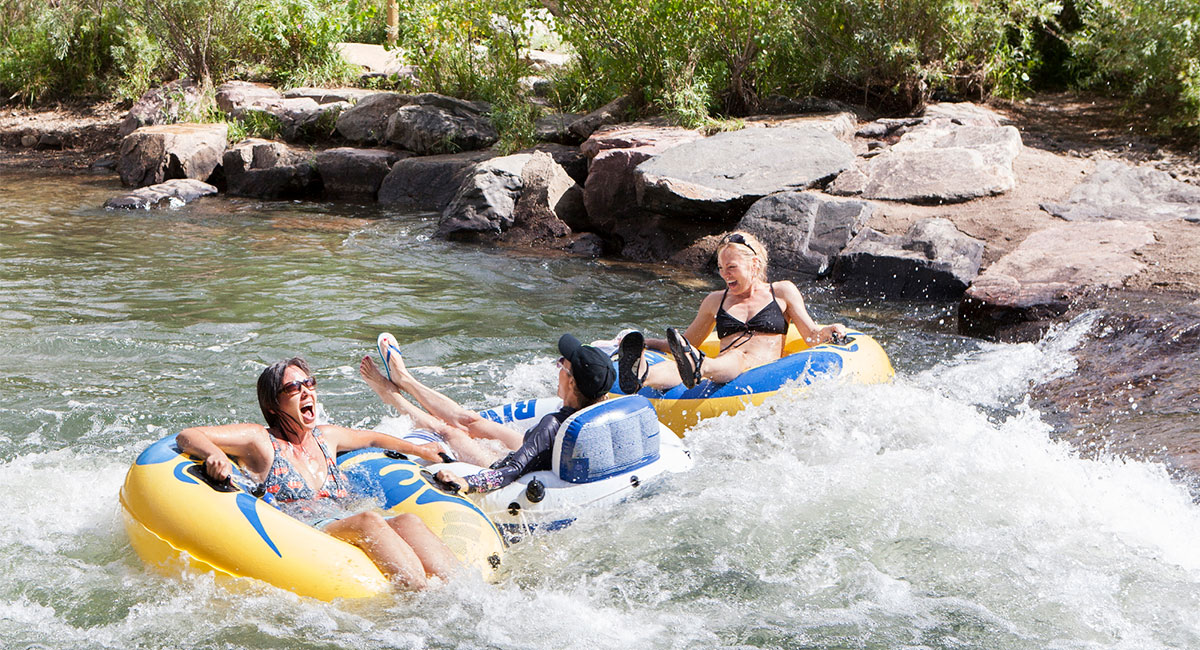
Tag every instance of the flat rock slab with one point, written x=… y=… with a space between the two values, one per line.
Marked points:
x=1018 y=296
x=171 y=194
x=1118 y=191
x=329 y=95
x=721 y=176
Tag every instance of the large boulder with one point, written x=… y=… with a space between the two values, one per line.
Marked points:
x=803 y=230
x=367 y=121
x=163 y=105
x=614 y=153
x=938 y=162
x=721 y=176
x=267 y=169
x=173 y=193
x=236 y=97
x=548 y=195
x=932 y=261
x=354 y=174
x=1118 y=191
x=484 y=202
x=432 y=123
x=153 y=154
x=428 y=182
x=1020 y=295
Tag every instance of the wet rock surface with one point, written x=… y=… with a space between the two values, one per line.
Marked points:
x=171 y=194
x=1136 y=390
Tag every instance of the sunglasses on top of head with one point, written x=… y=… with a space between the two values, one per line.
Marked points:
x=737 y=238
x=293 y=387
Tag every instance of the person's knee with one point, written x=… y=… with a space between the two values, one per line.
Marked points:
x=405 y=522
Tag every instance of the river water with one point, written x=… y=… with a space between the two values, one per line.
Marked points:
x=932 y=512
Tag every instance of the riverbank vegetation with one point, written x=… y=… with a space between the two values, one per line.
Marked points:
x=694 y=60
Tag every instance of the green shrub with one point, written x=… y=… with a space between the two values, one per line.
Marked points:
x=69 y=48
x=466 y=48
x=1148 y=50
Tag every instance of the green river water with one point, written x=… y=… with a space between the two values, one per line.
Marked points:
x=933 y=512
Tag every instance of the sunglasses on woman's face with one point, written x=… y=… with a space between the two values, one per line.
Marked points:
x=737 y=238
x=293 y=387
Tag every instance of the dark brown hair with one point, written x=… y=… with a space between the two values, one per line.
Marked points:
x=270 y=384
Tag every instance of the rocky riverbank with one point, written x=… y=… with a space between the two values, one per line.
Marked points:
x=1025 y=214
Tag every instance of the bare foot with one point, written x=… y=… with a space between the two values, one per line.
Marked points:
x=374 y=378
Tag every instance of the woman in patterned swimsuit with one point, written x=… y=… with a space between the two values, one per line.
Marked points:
x=294 y=459
x=751 y=317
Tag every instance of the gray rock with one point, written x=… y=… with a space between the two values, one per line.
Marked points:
x=236 y=97
x=29 y=140
x=611 y=113
x=1118 y=191
x=931 y=176
x=433 y=124
x=547 y=195
x=163 y=105
x=367 y=121
x=938 y=161
x=932 y=261
x=571 y=159
x=267 y=169
x=615 y=152
x=964 y=113
x=721 y=176
x=428 y=182
x=329 y=95
x=803 y=230
x=586 y=244
x=153 y=154
x=354 y=174
x=172 y=194
x=484 y=202
x=1023 y=292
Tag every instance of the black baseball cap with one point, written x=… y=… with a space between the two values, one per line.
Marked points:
x=592 y=369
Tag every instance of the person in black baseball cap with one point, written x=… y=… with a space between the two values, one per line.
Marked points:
x=585 y=376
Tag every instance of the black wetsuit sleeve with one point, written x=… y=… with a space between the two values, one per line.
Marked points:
x=531 y=456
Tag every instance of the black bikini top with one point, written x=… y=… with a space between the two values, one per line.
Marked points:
x=768 y=320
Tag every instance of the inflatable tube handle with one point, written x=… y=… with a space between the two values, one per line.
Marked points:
x=445 y=486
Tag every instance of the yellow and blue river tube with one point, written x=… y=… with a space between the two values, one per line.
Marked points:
x=858 y=358
x=175 y=514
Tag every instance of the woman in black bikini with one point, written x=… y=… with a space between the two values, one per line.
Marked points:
x=751 y=317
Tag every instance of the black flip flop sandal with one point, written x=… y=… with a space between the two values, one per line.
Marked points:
x=633 y=345
x=687 y=358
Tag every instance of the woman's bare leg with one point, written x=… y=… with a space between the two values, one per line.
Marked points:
x=389 y=551
x=435 y=556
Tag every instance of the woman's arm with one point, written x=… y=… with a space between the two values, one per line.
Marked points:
x=248 y=442
x=347 y=439
x=797 y=314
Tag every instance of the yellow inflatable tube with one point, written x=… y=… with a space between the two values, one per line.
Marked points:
x=173 y=512
x=859 y=358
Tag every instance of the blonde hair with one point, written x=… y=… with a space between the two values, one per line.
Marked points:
x=749 y=246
